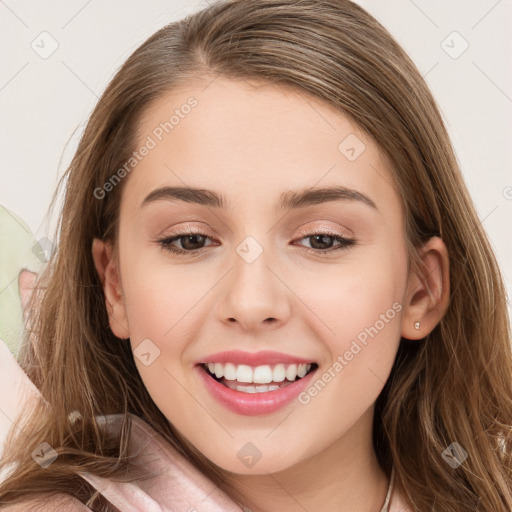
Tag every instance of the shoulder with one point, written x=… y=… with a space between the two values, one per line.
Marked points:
x=62 y=502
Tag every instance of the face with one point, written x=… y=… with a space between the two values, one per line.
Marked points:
x=267 y=286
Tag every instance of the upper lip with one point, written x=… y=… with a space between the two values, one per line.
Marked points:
x=264 y=357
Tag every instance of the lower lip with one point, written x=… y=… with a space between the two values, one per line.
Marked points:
x=254 y=404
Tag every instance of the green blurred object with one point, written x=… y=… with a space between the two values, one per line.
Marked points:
x=19 y=250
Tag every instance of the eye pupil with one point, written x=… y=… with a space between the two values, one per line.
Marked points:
x=187 y=238
x=321 y=239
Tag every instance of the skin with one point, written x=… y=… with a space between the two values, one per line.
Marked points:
x=251 y=142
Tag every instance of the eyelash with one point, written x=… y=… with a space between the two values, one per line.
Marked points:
x=344 y=244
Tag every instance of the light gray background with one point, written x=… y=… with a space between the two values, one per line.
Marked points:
x=45 y=102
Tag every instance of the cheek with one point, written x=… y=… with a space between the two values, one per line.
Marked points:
x=360 y=307
x=349 y=299
x=363 y=312
x=159 y=294
x=160 y=305
x=366 y=298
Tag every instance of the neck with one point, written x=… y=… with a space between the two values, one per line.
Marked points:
x=345 y=477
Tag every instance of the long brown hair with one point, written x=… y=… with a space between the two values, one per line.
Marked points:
x=453 y=386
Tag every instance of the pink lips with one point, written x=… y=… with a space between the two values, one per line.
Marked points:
x=253 y=358
x=253 y=404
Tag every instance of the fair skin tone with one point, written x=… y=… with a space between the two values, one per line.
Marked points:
x=251 y=144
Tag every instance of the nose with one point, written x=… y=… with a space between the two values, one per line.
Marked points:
x=253 y=295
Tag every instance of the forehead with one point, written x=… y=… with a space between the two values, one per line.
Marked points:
x=253 y=140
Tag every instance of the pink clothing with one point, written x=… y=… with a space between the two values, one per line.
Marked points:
x=177 y=486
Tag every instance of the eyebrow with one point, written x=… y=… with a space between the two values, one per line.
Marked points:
x=288 y=200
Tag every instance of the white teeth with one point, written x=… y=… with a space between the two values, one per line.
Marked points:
x=302 y=370
x=244 y=373
x=247 y=389
x=230 y=371
x=219 y=370
x=252 y=389
x=291 y=372
x=262 y=389
x=264 y=374
x=279 y=373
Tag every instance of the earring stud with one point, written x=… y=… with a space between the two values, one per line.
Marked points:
x=417 y=326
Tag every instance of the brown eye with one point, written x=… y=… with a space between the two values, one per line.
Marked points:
x=190 y=243
x=323 y=243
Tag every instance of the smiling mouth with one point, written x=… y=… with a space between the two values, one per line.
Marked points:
x=259 y=379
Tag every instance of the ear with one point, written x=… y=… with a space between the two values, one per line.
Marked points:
x=108 y=271
x=428 y=294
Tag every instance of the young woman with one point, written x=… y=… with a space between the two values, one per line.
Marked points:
x=271 y=289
